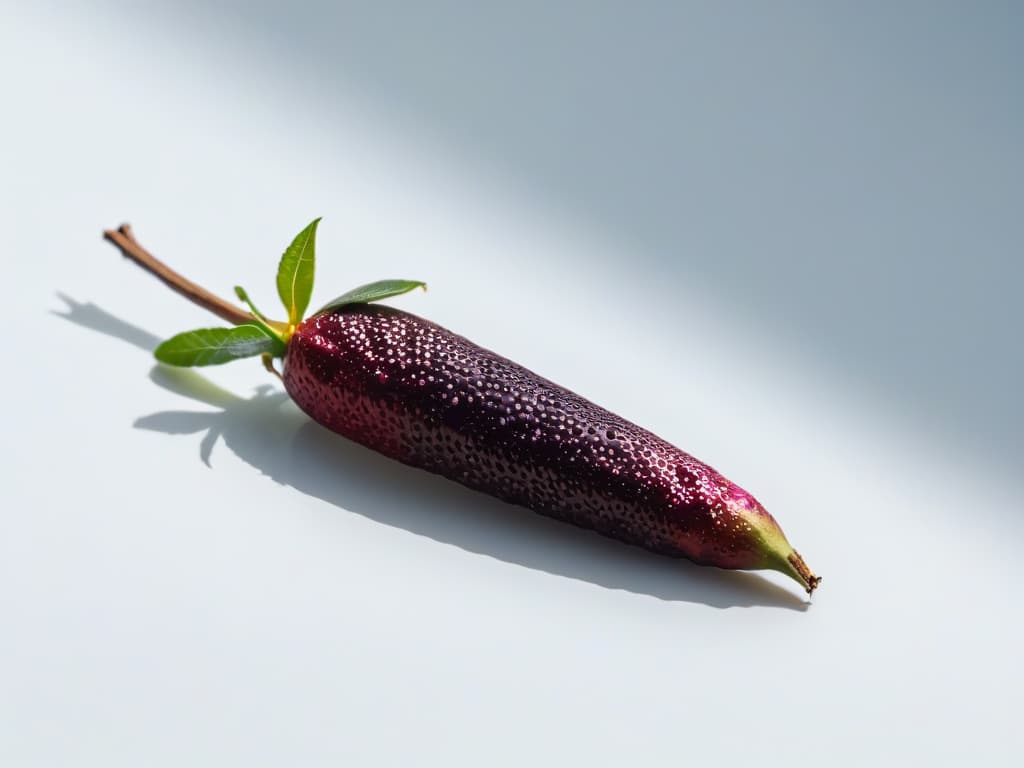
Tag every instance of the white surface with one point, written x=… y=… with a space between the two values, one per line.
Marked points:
x=300 y=601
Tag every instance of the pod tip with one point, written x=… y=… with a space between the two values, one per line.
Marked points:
x=810 y=581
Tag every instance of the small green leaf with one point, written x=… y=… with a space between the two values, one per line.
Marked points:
x=240 y=292
x=267 y=326
x=382 y=289
x=213 y=346
x=295 y=273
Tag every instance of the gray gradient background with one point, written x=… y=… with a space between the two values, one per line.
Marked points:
x=800 y=221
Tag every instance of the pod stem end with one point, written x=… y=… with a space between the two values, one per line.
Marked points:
x=810 y=581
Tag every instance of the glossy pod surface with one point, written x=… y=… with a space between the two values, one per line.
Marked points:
x=421 y=394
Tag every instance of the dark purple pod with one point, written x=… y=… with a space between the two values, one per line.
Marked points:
x=421 y=394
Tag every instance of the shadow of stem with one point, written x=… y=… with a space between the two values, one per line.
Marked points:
x=269 y=433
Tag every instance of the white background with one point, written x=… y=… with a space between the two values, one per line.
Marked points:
x=785 y=237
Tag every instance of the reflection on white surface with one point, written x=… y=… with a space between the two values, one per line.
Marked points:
x=196 y=574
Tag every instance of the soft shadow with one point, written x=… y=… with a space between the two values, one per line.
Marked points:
x=269 y=433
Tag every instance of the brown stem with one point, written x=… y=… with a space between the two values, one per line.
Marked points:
x=125 y=241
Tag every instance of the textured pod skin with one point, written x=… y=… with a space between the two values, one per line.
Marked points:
x=421 y=394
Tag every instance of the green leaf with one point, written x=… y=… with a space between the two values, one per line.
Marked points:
x=213 y=346
x=382 y=289
x=295 y=273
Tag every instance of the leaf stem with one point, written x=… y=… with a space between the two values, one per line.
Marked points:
x=277 y=331
x=243 y=297
x=125 y=241
x=268 y=363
